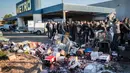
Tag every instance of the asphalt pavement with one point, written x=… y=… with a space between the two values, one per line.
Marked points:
x=19 y=37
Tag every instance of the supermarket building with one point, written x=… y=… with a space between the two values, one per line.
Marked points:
x=33 y=10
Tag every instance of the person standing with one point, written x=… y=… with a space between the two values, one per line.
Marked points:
x=48 y=29
x=79 y=26
x=116 y=38
x=129 y=32
x=85 y=30
x=51 y=29
x=91 y=30
x=58 y=27
x=54 y=29
x=124 y=30
x=72 y=28
x=110 y=18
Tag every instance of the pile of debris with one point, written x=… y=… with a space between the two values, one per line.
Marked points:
x=65 y=56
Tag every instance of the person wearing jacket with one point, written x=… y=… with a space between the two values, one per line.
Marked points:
x=85 y=32
x=73 y=31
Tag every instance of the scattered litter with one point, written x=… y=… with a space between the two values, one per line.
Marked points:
x=66 y=57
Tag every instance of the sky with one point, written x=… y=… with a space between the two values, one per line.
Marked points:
x=9 y=6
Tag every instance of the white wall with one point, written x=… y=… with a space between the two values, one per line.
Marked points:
x=21 y=22
x=37 y=4
x=37 y=17
x=127 y=11
x=121 y=6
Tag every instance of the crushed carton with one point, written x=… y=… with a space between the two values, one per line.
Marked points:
x=93 y=68
x=105 y=57
x=11 y=56
x=90 y=69
x=94 y=56
x=50 y=58
x=74 y=63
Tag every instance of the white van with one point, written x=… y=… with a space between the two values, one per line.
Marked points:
x=38 y=28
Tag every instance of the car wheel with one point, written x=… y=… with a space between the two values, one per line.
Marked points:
x=38 y=32
x=2 y=29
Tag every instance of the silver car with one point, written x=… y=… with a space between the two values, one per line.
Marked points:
x=5 y=27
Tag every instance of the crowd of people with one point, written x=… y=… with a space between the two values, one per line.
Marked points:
x=111 y=29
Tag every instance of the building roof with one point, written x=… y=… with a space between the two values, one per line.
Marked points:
x=83 y=8
x=66 y=7
x=76 y=7
x=11 y=18
x=54 y=8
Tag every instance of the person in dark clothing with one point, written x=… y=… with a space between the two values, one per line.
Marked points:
x=54 y=29
x=58 y=27
x=116 y=38
x=73 y=31
x=80 y=32
x=92 y=35
x=51 y=30
x=78 y=27
x=48 y=29
x=85 y=31
x=129 y=32
x=99 y=27
x=14 y=27
x=124 y=30
x=66 y=27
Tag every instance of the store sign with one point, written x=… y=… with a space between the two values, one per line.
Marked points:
x=25 y=6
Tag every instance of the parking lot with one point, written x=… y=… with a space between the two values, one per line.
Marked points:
x=19 y=37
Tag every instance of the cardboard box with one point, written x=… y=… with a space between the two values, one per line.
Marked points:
x=12 y=56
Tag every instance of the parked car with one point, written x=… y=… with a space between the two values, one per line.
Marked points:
x=2 y=28
x=5 y=27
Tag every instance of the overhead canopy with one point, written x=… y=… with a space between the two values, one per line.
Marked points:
x=83 y=8
x=79 y=8
x=77 y=12
x=71 y=8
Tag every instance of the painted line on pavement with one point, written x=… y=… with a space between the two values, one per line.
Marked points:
x=24 y=36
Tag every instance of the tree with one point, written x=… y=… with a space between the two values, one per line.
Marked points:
x=8 y=16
